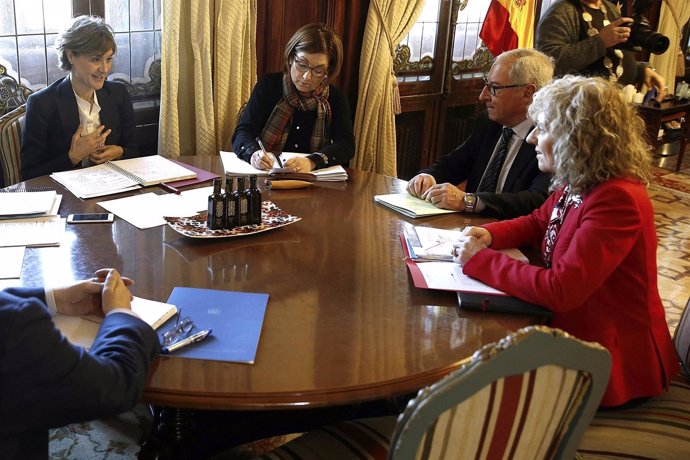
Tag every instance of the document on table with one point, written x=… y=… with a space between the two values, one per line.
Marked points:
x=148 y=209
x=25 y=204
x=409 y=205
x=235 y=166
x=82 y=330
x=34 y=232
x=12 y=261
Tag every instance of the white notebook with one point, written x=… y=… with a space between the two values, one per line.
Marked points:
x=235 y=166
x=121 y=176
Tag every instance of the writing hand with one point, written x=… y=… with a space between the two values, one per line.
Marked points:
x=261 y=160
x=419 y=184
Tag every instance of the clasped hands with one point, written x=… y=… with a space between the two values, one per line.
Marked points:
x=99 y=295
x=93 y=146
x=261 y=160
x=473 y=240
x=444 y=196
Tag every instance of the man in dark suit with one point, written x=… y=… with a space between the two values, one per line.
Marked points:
x=500 y=168
x=47 y=382
x=81 y=119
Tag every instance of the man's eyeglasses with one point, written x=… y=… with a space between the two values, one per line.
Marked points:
x=182 y=327
x=493 y=88
x=303 y=67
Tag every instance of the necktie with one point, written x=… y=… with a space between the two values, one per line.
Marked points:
x=490 y=180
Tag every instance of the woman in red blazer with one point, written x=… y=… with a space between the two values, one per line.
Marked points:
x=596 y=232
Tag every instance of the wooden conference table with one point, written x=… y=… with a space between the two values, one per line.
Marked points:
x=344 y=323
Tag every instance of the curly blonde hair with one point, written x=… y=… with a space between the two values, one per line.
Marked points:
x=597 y=135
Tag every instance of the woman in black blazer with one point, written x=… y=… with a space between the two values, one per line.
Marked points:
x=81 y=119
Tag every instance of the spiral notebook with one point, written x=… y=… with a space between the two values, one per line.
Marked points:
x=121 y=175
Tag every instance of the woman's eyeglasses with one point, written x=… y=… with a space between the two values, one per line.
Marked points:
x=493 y=88
x=303 y=67
x=182 y=327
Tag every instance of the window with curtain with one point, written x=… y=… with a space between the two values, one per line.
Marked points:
x=28 y=29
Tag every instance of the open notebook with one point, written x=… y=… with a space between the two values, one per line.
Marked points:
x=235 y=166
x=121 y=175
x=82 y=330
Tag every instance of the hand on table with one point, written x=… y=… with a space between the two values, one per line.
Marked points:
x=445 y=196
x=300 y=164
x=99 y=295
x=419 y=184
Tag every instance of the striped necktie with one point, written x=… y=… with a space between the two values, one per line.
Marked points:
x=492 y=172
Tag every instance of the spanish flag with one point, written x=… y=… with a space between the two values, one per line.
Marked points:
x=509 y=24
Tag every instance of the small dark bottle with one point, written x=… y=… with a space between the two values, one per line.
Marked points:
x=230 y=205
x=242 y=205
x=254 y=198
x=215 y=207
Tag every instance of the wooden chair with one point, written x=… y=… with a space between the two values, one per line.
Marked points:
x=658 y=428
x=11 y=125
x=531 y=395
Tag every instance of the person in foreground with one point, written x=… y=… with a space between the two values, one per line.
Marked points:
x=596 y=232
x=589 y=37
x=46 y=381
x=81 y=119
x=500 y=168
x=298 y=110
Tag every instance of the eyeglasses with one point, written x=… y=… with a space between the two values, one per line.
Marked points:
x=493 y=88
x=303 y=67
x=182 y=327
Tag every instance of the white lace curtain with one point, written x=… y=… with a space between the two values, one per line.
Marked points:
x=208 y=72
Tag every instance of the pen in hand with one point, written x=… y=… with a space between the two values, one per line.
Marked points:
x=196 y=338
x=263 y=149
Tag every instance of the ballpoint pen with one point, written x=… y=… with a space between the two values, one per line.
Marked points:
x=198 y=337
x=169 y=188
x=263 y=149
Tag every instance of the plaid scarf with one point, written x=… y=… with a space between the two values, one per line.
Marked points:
x=277 y=127
x=560 y=210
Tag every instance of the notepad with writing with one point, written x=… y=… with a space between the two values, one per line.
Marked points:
x=236 y=166
x=235 y=317
x=82 y=330
x=121 y=176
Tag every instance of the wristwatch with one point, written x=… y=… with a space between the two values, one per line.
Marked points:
x=470 y=200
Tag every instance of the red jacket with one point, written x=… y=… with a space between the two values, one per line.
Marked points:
x=602 y=285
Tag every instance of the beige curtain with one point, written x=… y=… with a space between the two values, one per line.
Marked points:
x=388 y=21
x=208 y=72
x=674 y=15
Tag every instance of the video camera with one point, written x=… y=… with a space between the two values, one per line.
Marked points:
x=642 y=36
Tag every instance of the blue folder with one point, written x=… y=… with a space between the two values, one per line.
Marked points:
x=235 y=317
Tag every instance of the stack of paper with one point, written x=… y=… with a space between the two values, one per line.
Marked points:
x=29 y=204
x=35 y=232
x=235 y=166
x=409 y=205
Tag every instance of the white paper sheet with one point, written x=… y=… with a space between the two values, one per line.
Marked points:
x=12 y=261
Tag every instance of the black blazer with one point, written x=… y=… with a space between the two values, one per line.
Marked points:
x=47 y=382
x=52 y=118
x=525 y=188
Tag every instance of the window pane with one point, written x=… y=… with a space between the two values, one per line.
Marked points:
x=157 y=14
x=421 y=45
x=8 y=55
x=54 y=72
x=32 y=60
x=121 y=61
x=141 y=14
x=117 y=14
x=142 y=50
x=58 y=15
x=467 y=40
x=29 y=16
x=7 y=17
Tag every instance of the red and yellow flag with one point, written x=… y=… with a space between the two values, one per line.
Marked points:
x=509 y=24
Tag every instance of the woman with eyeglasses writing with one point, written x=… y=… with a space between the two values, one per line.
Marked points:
x=298 y=110
x=596 y=232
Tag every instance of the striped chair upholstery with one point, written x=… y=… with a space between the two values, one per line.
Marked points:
x=659 y=428
x=10 y=144
x=532 y=395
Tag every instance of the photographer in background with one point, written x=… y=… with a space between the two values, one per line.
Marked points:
x=590 y=37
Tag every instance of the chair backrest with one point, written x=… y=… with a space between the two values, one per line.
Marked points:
x=681 y=339
x=12 y=93
x=531 y=395
x=11 y=125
